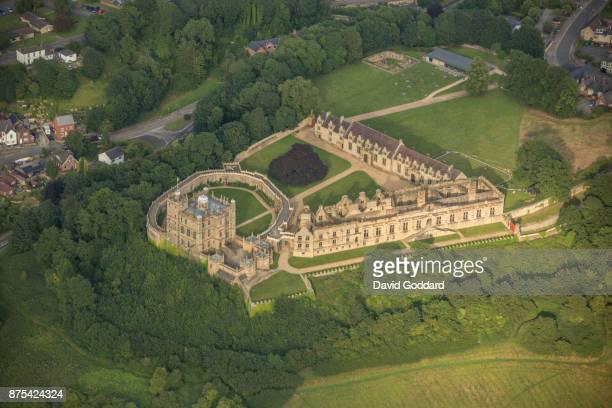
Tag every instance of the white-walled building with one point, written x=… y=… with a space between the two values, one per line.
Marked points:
x=27 y=56
x=112 y=156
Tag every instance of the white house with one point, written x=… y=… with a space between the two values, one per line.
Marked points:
x=67 y=56
x=112 y=156
x=8 y=136
x=27 y=56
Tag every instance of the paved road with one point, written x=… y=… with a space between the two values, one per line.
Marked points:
x=561 y=50
x=153 y=132
x=10 y=154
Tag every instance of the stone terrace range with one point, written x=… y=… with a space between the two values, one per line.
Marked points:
x=382 y=151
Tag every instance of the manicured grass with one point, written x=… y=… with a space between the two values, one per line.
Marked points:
x=485 y=376
x=360 y=88
x=177 y=124
x=256 y=227
x=351 y=185
x=280 y=284
x=247 y=206
x=485 y=55
x=426 y=243
x=485 y=126
x=261 y=160
x=474 y=168
x=483 y=229
x=541 y=215
x=299 y=262
x=516 y=199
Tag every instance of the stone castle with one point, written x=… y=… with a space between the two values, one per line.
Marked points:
x=436 y=200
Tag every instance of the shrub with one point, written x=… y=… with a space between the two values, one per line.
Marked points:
x=299 y=166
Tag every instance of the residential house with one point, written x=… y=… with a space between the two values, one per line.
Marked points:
x=515 y=23
x=599 y=32
x=66 y=56
x=112 y=156
x=29 y=173
x=36 y=23
x=14 y=131
x=27 y=56
x=21 y=34
x=606 y=66
x=8 y=180
x=447 y=59
x=62 y=125
x=65 y=160
x=263 y=46
x=594 y=84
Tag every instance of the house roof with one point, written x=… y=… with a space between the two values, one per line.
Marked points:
x=19 y=32
x=5 y=125
x=114 y=153
x=36 y=21
x=452 y=59
x=31 y=168
x=593 y=78
x=375 y=137
x=65 y=120
x=61 y=156
x=257 y=44
x=29 y=50
x=67 y=53
x=5 y=188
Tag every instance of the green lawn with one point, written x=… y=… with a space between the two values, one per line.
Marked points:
x=299 y=262
x=541 y=215
x=474 y=168
x=10 y=22
x=261 y=160
x=177 y=124
x=256 y=227
x=280 y=284
x=360 y=88
x=247 y=206
x=427 y=243
x=177 y=100
x=516 y=199
x=483 y=229
x=89 y=93
x=486 y=126
x=351 y=185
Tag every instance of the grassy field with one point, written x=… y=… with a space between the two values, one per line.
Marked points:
x=360 y=88
x=516 y=199
x=541 y=215
x=89 y=93
x=299 y=262
x=483 y=229
x=475 y=168
x=177 y=100
x=177 y=124
x=256 y=227
x=280 y=284
x=502 y=375
x=486 y=127
x=261 y=160
x=350 y=185
x=247 y=206
x=580 y=141
x=10 y=22
x=35 y=351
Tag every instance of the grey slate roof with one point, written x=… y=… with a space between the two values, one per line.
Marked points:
x=65 y=120
x=451 y=59
x=114 y=153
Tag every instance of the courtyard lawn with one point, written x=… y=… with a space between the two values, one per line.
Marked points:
x=299 y=262
x=280 y=284
x=485 y=126
x=474 y=168
x=247 y=206
x=483 y=230
x=359 y=88
x=351 y=185
x=256 y=227
x=261 y=160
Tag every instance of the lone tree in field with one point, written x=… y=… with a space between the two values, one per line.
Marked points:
x=478 y=81
x=299 y=166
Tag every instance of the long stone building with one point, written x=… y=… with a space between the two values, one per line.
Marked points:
x=382 y=151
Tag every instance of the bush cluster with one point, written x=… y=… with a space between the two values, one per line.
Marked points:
x=298 y=167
